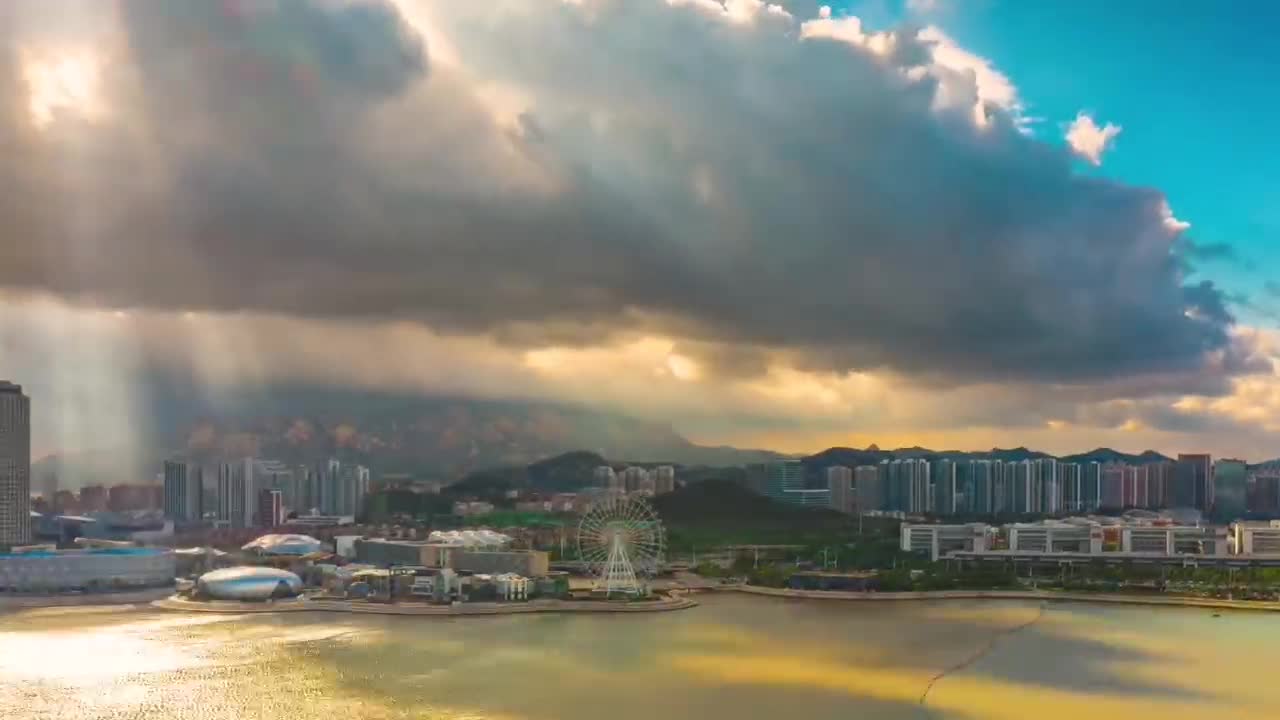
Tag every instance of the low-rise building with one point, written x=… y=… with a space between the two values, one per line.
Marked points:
x=51 y=571
x=512 y=587
x=1174 y=540
x=529 y=563
x=1262 y=538
x=1055 y=537
x=938 y=540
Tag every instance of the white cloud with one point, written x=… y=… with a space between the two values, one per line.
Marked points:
x=995 y=91
x=1088 y=140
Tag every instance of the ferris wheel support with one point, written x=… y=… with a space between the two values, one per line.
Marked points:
x=619 y=576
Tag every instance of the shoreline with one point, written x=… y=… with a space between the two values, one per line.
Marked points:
x=1035 y=595
x=667 y=604
x=35 y=602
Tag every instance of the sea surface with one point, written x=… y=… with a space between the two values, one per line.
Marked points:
x=735 y=656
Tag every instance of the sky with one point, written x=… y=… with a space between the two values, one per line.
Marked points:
x=787 y=225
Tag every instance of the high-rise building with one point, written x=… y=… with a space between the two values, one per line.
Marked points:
x=944 y=478
x=183 y=492
x=907 y=485
x=15 y=466
x=869 y=488
x=1264 y=493
x=237 y=494
x=605 y=477
x=49 y=486
x=982 y=486
x=664 y=479
x=1112 y=481
x=840 y=488
x=270 y=508
x=784 y=482
x=1229 y=485
x=1193 y=482
x=636 y=479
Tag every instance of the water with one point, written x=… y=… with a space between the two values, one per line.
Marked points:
x=734 y=657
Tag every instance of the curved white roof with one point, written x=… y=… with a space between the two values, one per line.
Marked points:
x=285 y=545
x=469 y=538
x=248 y=583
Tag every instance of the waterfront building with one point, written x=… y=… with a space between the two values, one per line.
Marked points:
x=840 y=488
x=1229 y=489
x=664 y=479
x=86 y=570
x=15 y=466
x=1193 y=482
x=1257 y=538
x=248 y=583
x=284 y=544
x=1055 y=537
x=938 y=540
x=1174 y=540
x=511 y=587
x=869 y=487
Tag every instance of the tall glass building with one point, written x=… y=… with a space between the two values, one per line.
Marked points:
x=1229 y=480
x=15 y=466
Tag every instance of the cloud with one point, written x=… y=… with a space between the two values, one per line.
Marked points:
x=1088 y=140
x=780 y=199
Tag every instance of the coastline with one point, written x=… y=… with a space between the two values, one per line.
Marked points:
x=675 y=601
x=1035 y=595
x=34 y=602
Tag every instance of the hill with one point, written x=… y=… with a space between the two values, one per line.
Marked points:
x=717 y=512
x=852 y=457
x=427 y=437
x=1106 y=455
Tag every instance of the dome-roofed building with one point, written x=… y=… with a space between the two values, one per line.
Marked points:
x=248 y=583
x=298 y=545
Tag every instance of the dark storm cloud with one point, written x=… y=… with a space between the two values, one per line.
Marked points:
x=727 y=183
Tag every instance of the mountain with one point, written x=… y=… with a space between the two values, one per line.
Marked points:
x=852 y=457
x=433 y=437
x=1106 y=455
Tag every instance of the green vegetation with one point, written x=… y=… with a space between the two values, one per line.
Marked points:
x=718 y=513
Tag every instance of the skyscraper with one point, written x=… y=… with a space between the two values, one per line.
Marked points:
x=1193 y=482
x=183 y=492
x=605 y=477
x=664 y=479
x=635 y=479
x=869 y=486
x=945 y=493
x=784 y=482
x=1229 y=478
x=840 y=485
x=236 y=495
x=15 y=466
x=907 y=485
x=270 y=508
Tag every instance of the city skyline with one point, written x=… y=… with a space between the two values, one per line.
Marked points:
x=935 y=239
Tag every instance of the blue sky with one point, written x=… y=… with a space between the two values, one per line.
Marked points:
x=1187 y=82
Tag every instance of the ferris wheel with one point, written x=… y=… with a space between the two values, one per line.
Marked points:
x=621 y=540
